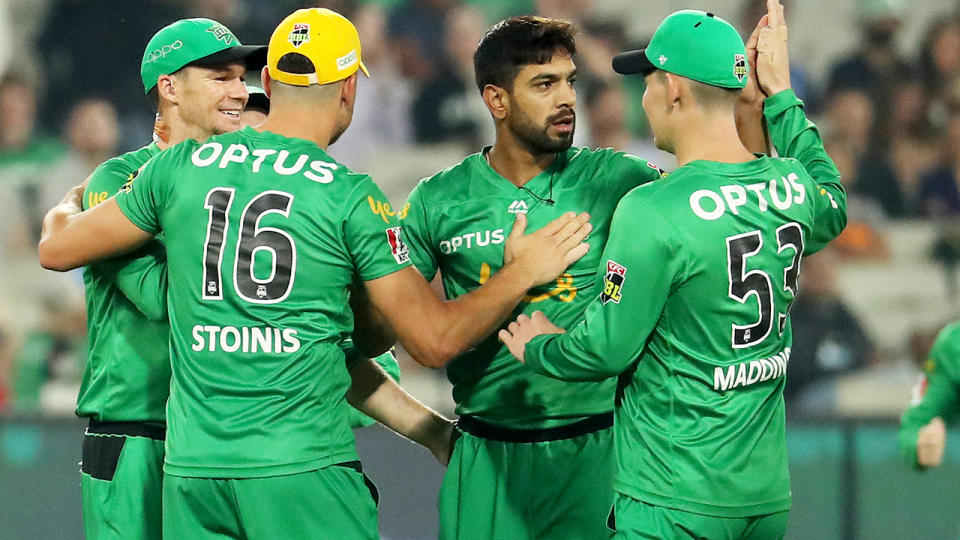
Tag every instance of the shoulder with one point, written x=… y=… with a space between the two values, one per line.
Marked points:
x=449 y=181
x=112 y=174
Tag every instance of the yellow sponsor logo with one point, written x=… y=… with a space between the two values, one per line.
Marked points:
x=94 y=199
x=563 y=289
x=384 y=210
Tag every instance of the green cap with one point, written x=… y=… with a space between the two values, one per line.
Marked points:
x=195 y=41
x=693 y=44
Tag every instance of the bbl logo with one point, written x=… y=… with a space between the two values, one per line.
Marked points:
x=397 y=246
x=613 y=282
x=299 y=35
x=740 y=66
x=221 y=33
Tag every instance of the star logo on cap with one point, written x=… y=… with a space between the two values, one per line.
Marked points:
x=662 y=59
x=221 y=33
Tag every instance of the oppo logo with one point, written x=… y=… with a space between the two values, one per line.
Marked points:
x=162 y=52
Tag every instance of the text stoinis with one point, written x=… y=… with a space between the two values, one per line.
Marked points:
x=245 y=339
x=710 y=204
x=752 y=372
x=280 y=161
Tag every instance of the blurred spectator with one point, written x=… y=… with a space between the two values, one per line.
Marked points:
x=448 y=107
x=875 y=67
x=939 y=191
x=940 y=65
x=915 y=145
x=417 y=31
x=91 y=134
x=869 y=174
x=6 y=36
x=828 y=339
x=862 y=237
x=381 y=116
x=605 y=107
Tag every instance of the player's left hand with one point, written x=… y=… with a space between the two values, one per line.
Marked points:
x=752 y=94
x=520 y=332
x=773 y=63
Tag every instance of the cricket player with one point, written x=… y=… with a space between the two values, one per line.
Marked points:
x=265 y=234
x=192 y=70
x=517 y=424
x=923 y=428
x=695 y=287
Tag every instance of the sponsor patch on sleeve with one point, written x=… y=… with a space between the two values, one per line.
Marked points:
x=398 y=247
x=613 y=282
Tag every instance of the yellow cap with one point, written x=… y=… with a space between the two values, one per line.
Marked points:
x=327 y=38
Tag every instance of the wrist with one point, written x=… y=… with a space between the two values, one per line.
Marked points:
x=520 y=276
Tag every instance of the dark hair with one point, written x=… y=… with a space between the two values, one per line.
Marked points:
x=517 y=42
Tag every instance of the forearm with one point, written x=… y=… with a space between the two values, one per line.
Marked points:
x=561 y=357
x=71 y=238
x=797 y=137
x=750 y=126
x=375 y=394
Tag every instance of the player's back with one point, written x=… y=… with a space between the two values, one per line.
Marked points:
x=264 y=236
x=714 y=366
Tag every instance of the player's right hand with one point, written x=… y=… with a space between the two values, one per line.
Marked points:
x=544 y=254
x=931 y=442
x=773 y=63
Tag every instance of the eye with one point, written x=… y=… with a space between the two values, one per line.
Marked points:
x=545 y=84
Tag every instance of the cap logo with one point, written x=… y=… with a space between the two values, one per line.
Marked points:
x=221 y=33
x=299 y=35
x=162 y=52
x=662 y=59
x=740 y=66
x=347 y=60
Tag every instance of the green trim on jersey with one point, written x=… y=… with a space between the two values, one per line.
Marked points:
x=938 y=394
x=457 y=222
x=264 y=235
x=127 y=375
x=696 y=281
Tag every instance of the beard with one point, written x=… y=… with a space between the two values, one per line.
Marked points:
x=536 y=138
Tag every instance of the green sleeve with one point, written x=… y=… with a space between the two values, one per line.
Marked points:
x=634 y=281
x=635 y=171
x=142 y=198
x=418 y=234
x=373 y=239
x=796 y=137
x=142 y=275
x=938 y=394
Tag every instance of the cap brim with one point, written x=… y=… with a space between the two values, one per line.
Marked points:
x=253 y=56
x=631 y=62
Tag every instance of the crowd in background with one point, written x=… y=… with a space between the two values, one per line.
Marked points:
x=71 y=97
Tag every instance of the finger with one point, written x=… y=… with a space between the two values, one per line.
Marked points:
x=504 y=337
x=574 y=254
x=538 y=317
x=572 y=227
x=755 y=35
x=783 y=15
x=774 y=12
x=551 y=228
x=519 y=225
x=523 y=319
x=578 y=236
x=513 y=327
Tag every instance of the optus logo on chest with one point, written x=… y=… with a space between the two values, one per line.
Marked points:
x=469 y=240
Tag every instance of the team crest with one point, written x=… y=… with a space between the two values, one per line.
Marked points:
x=299 y=35
x=613 y=282
x=221 y=33
x=398 y=248
x=212 y=289
x=740 y=66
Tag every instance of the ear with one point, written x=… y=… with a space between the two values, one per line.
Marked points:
x=495 y=98
x=675 y=88
x=167 y=88
x=348 y=92
x=265 y=80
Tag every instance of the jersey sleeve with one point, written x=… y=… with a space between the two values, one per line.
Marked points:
x=632 y=171
x=142 y=198
x=142 y=275
x=374 y=240
x=418 y=234
x=795 y=136
x=636 y=275
x=937 y=394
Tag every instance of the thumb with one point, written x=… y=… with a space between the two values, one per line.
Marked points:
x=519 y=225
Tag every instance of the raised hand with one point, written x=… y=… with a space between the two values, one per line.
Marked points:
x=931 y=442
x=544 y=254
x=520 y=332
x=773 y=63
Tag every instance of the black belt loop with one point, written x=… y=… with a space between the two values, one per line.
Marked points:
x=128 y=429
x=592 y=424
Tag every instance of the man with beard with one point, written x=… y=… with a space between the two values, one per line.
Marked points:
x=266 y=235
x=519 y=427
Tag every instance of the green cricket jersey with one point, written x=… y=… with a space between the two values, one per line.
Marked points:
x=264 y=235
x=127 y=376
x=695 y=286
x=457 y=222
x=938 y=393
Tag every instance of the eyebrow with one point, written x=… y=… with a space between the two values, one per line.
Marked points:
x=544 y=77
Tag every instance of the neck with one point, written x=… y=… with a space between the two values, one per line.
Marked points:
x=515 y=163
x=315 y=123
x=710 y=136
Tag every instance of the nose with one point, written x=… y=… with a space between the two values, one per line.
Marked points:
x=238 y=90
x=567 y=97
